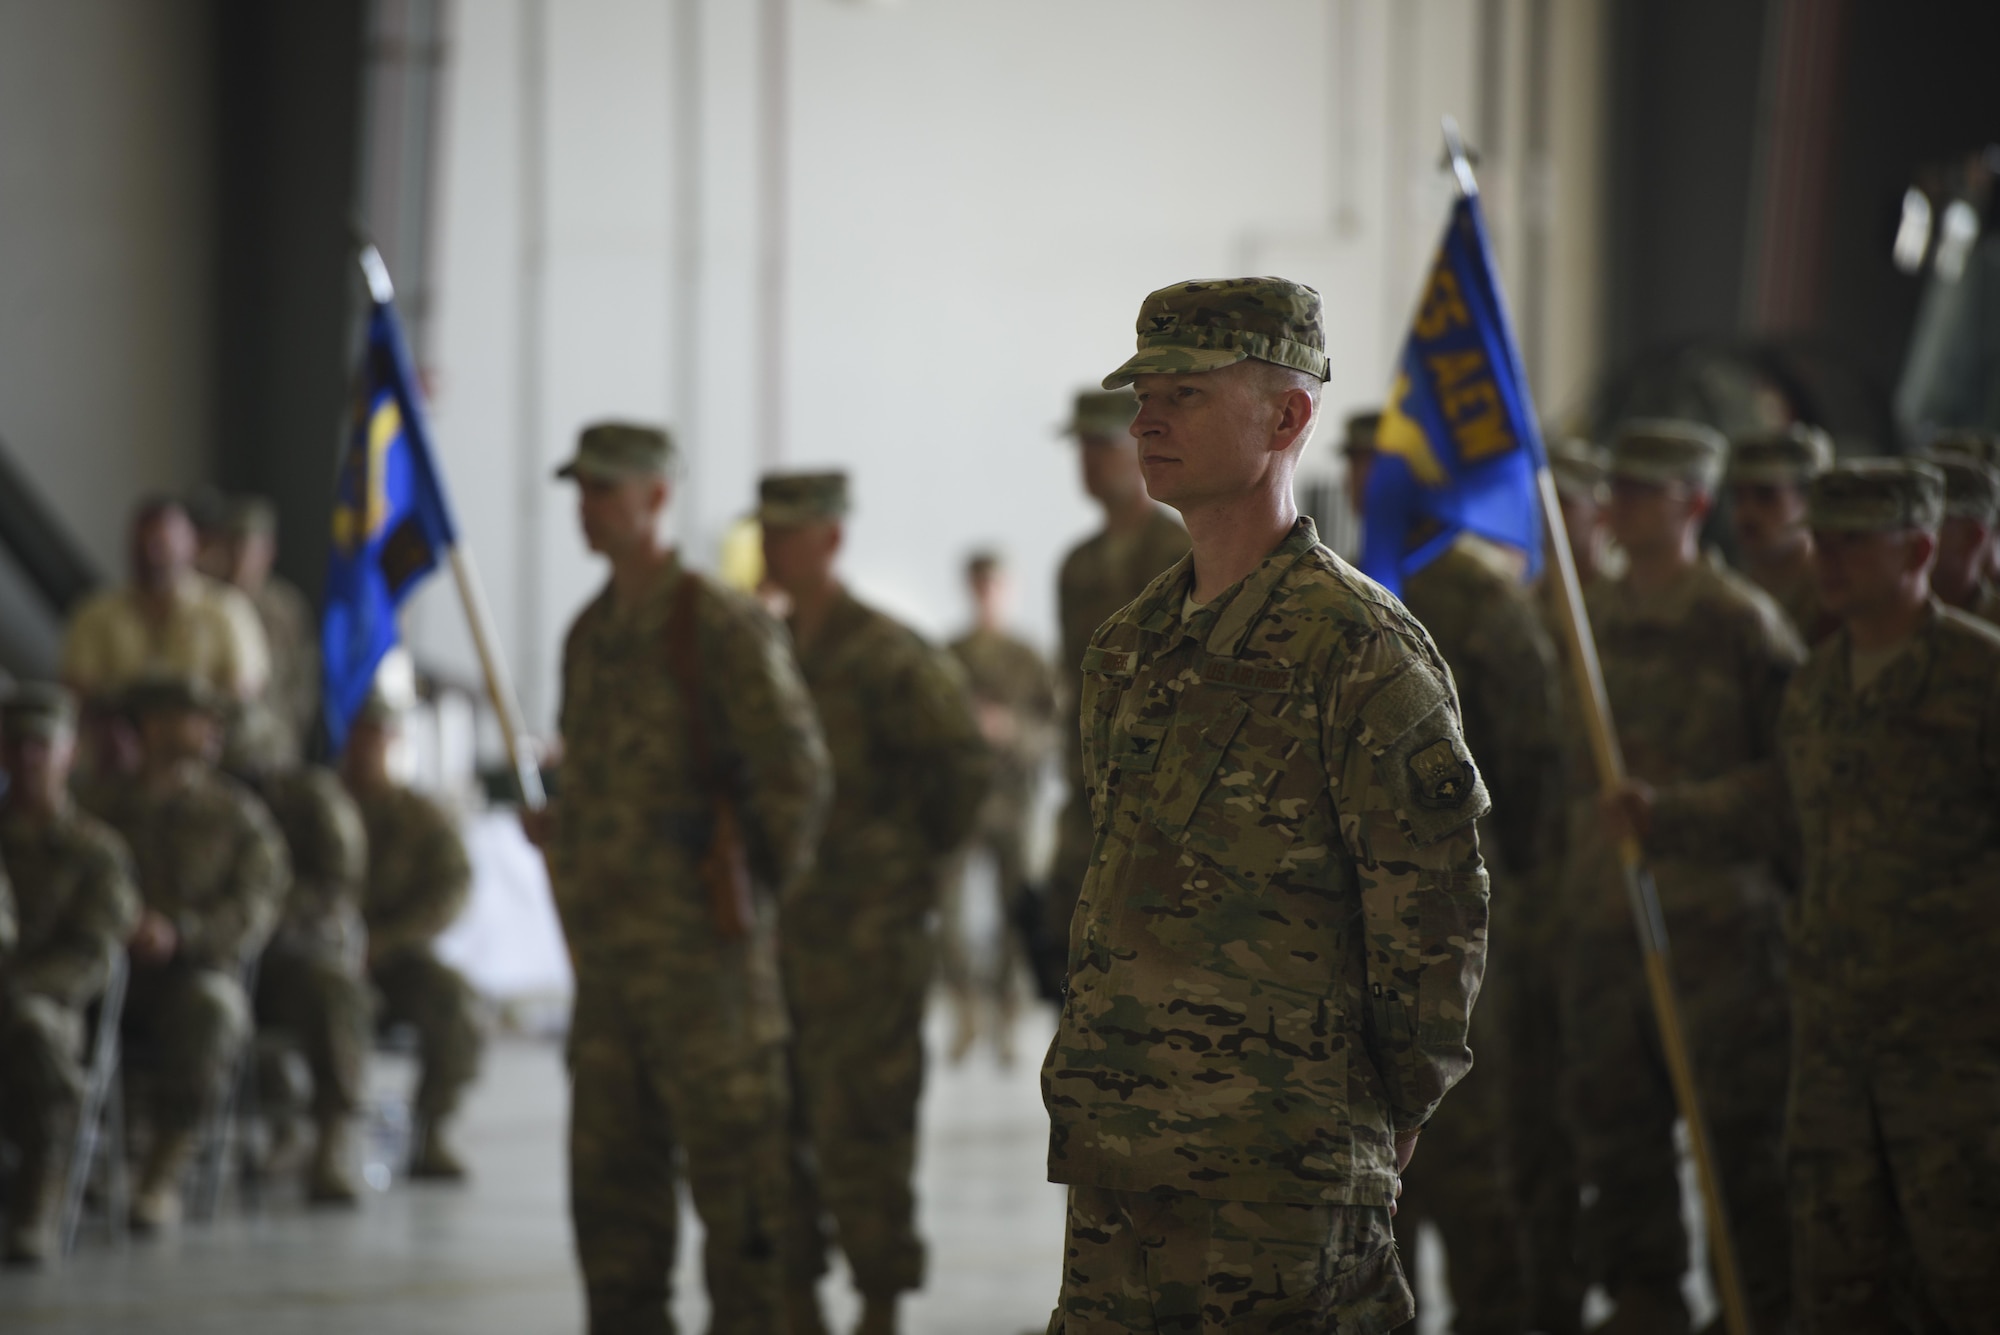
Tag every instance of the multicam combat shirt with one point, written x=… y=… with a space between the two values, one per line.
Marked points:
x=1283 y=929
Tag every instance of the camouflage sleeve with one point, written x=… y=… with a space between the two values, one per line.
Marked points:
x=926 y=724
x=774 y=737
x=328 y=845
x=436 y=877
x=1518 y=698
x=1772 y=654
x=73 y=966
x=1408 y=797
x=239 y=925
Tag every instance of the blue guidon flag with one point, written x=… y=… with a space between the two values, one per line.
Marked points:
x=392 y=523
x=1458 y=449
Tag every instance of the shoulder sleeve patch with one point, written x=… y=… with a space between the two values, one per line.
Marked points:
x=1407 y=699
x=1421 y=759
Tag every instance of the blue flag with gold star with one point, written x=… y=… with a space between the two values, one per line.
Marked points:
x=1459 y=448
x=392 y=523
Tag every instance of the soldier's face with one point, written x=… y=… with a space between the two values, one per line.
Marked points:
x=1214 y=435
x=1769 y=518
x=800 y=556
x=1961 y=558
x=38 y=767
x=367 y=757
x=1862 y=573
x=1110 y=469
x=163 y=543
x=171 y=735
x=1649 y=517
x=618 y=514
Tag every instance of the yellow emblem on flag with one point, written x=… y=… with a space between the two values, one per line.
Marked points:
x=352 y=526
x=1399 y=436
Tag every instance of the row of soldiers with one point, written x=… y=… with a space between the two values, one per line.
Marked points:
x=247 y=893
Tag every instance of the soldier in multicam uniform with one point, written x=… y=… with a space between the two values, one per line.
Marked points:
x=677 y=1037
x=1282 y=934
x=271 y=731
x=419 y=879
x=1961 y=576
x=1694 y=661
x=311 y=988
x=1013 y=695
x=1099 y=576
x=1767 y=480
x=1887 y=781
x=910 y=772
x=212 y=872
x=73 y=905
x=1472 y=602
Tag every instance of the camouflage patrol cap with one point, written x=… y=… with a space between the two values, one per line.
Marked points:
x=1792 y=457
x=245 y=516
x=786 y=499
x=1873 y=494
x=1101 y=413
x=614 y=451
x=1578 y=468
x=1660 y=450
x=37 y=709
x=1359 y=432
x=1983 y=445
x=1209 y=324
x=1971 y=486
x=170 y=692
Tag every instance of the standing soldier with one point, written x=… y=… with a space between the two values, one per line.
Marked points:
x=677 y=1038
x=1283 y=930
x=1472 y=602
x=1013 y=696
x=419 y=879
x=1961 y=577
x=909 y=773
x=272 y=730
x=1099 y=576
x=212 y=873
x=310 y=984
x=1887 y=780
x=1767 y=478
x=73 y=905
x=1694 y=661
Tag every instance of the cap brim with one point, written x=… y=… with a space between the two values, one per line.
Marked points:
x=581 y=470
x=1774 y=476
x=1172 y=361
x=792 y=516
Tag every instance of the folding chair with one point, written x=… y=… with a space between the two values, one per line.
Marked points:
x=101 y=1118
x=221 y=1145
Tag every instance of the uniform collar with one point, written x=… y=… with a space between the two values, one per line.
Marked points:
x=1223 y=624
x=1901 y=680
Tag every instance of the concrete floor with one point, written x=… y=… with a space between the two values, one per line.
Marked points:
x=494 y=1257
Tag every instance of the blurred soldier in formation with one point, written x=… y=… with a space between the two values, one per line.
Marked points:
x=1013 y=697
x=1767 y=478
x=1886 y=780
x=272 y=730
x=1099 y=576
x=311 y=991
x=1694 y=661
x=1283 y=930
x=677 y=1037
x=909 y=773
x=1478 y=612
x=170 y=619
x=419 y=879
x=1962 y=575
x=212 y=872
x=73 y=905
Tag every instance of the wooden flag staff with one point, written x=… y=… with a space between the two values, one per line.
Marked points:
x=1640 y=893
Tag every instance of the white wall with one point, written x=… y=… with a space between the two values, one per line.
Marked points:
x=104 y=253
x=981 y=194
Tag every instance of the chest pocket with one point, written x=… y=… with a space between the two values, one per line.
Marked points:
x=1201 y=733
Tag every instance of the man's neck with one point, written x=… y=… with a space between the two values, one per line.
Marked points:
x=160 y=590
x=168 y=776
x=1782 y=564
x=1657 y=571
x=1889 y=624
x=1231 y=538
x=811 y=603
x=633 y=573
x=1128 y=515
x=987 y=621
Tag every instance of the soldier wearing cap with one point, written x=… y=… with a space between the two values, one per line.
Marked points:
x=677 y=1037
x=273 y=728
x=1100 y=575
x=212 y=873
x=1885 y=787
x=1282 y=934
x=910 y=771
x=73 y=904
x=1484 y=623
x=419 y=878
x=1014 y=697
x=1767 y=478
x=1962 y=577
x=1694 y=660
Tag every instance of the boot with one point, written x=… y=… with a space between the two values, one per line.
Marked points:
x=327 y=1180
x=878 y=1315
x=156 y=1202
x=434 y=1160
x=802 y=1314
x=32 y=1208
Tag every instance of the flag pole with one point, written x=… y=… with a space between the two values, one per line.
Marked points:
x=1640 y=893
x=471 y=596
